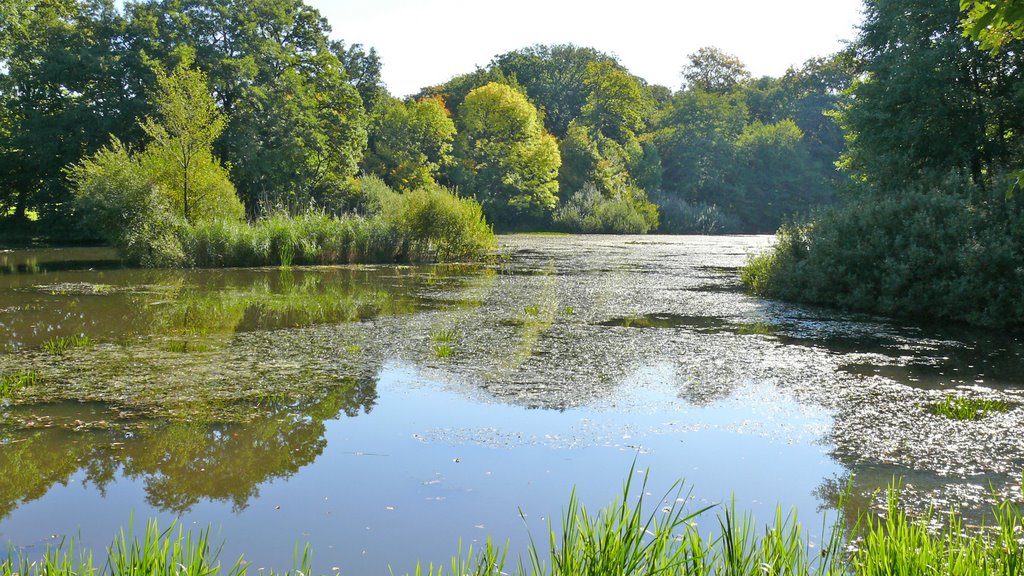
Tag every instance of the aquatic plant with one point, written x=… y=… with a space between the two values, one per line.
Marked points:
x=627 y=539
x=443 y=350
x=444 y=335
x=12 y=381
x=61 y=344
x=170 y=552
x=959 y=408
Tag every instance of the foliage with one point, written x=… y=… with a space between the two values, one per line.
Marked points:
x=296 y=125
x=507 y=160
x=960 y=408
x=994 y=22
x=440 y=226
x=591 y=212
x=712 y=70
x=10 y=382
x=929 y=102
x=139 y=202
x=774 y=175
x=64 y=87
x=560 y=79
x=423 y=225
x=677 y=216
x=180 y=155
x=946 y=251
x=411 y=144
x=116 y=198
x=62 y=344
x=616 y=105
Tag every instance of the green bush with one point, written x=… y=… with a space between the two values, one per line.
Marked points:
x=949 y=251
x=591 y=212
x=423 y=225
x=681 y=217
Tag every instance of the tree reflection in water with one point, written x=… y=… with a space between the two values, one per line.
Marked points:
x=180 y=463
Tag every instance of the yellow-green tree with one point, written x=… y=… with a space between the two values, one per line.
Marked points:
x=506 y=158
x=180 y=156
x=411 y=143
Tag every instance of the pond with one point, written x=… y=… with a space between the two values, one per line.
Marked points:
x=384 y=414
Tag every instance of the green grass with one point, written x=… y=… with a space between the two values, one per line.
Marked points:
x=170 y=552
x=624 y=540
x=62 y=344
x=12 y=381
x=443 y=350
x=968 y=408
x=627 y=538
x=444 y=335
x=532 y=310
x=569 y=311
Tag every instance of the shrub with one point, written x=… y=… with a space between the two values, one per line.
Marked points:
x=681 y=217
x=949 y=251
x=591 y=212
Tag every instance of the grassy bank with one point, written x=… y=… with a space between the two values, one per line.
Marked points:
x=625 y=539
x=119 y=200
x=430 y=225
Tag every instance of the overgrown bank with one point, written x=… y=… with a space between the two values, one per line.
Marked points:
x=933 y=130
x=950 y=251
x=624 y=539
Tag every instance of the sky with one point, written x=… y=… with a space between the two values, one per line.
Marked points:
x=426 y=42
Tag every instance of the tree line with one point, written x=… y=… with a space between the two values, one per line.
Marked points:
x=546 y=137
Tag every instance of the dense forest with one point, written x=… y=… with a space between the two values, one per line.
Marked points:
x=546 y=138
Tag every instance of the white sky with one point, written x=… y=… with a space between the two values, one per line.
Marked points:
x=426 y=42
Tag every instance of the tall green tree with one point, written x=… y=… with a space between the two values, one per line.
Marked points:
x=773 y=175
x=929 y=102
x=696 y=142
x=713 y=70
x=506 y=158
x=64 y=87
x=616 y=104
x=187 y=124
x=555 y=79
x=411 y=144
x=994 y=22
x=296 y=124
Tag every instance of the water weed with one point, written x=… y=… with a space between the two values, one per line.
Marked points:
x=62 y=344
x=968 y=408
x=444 y=335
x=12 y=381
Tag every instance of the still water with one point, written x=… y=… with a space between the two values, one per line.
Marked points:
x=385 y=414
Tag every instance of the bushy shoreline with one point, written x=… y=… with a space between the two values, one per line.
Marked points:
x=949 y=251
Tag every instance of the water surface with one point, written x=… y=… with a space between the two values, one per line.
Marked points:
x=384 y=413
